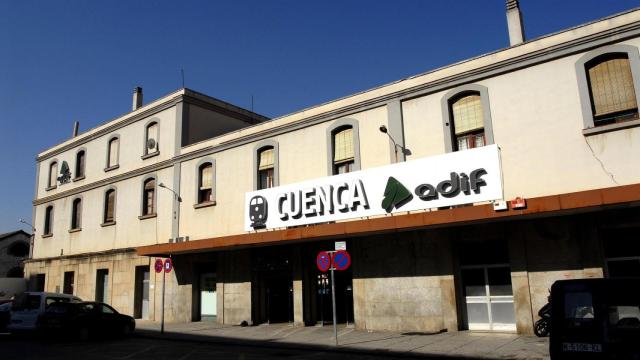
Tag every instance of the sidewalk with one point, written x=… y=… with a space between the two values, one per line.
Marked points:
x=463 y=344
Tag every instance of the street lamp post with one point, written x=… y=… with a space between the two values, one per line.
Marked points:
x=179 y=199
x=383 y=129
x=33 y=234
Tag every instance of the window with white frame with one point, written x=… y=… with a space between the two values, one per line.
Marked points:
x=53 y=175
x=113 y=152
x=76 y=214
x=613 y=96
x=205 y=183
x=151 y=138
x=467 y=121
x=343 y=150
x=266 y=167
x=149 y=197
x=109 y=206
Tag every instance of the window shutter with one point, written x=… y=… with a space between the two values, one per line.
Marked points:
x=205 y=177
x=612 y=87
x=267 y=158
x=467 y=114
x=113 y=152
x=343 y=145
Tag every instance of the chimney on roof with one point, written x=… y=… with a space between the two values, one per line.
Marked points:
x=76 y=126
x=514 y=22
x=137 y=98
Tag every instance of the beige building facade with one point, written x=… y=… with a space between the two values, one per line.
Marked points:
x=169 y=180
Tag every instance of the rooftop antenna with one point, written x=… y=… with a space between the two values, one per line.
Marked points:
x=182 y=73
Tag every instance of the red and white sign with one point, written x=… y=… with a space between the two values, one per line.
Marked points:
x=158 y=266
x=323 y=261
x=168 y=265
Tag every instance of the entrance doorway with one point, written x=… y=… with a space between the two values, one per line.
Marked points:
x=102 y=285
x=488 y=297
x=141 y=296
x=272 y=285
x=208 y=297
x=317 y=290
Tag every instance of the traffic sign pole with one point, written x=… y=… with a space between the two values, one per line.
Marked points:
x=164 y=274
x=333 y=305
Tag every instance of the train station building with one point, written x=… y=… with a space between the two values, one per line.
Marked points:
x=461 y=195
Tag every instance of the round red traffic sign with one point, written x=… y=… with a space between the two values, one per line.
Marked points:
x=168 y=265
x=341 y=260
x=158 y=265
x=323 y=261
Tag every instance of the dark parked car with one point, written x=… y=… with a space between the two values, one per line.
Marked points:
x=85 y=319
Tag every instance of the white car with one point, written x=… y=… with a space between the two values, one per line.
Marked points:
x=27 y=308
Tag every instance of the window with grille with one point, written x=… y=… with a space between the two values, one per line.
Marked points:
x=53 y=174
x=468 y=122
x=343 y=151
x=113 y=152
x=48 y=220
x=205 y=183
x=266 y=165
x=80 y=160
x=613 y=97
x=76 y=214
x=109 y=206
x=148 y=197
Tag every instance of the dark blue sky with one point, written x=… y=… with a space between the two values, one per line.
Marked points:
x=63 y=61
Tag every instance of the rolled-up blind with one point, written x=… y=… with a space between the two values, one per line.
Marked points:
x=267 y=159
x=612 y=86
x=205 y=177
x=467 y=114
x=343 y=145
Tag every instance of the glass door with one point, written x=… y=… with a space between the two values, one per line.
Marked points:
x=208 y=296
x=488 y=297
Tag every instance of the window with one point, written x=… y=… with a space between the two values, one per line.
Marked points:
x=607 y=81
x=53 y=173
x=80 y=163
x=467 y=122
x=613 y=97
x=109 y=206
x=48 y=220
x=76 y=214
x=113 y=152
x=151 y=139
x=343 y=154
x=205 y=183
x=266 y=164
x=149 y=197
x=466 y=118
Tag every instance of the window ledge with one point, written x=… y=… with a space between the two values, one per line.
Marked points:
x=110 y=223
x=148 y=216
x=150 y=155
x=611 y=127
x=204 y=204
x=47 y=235
x=74 y=230
x=51 y=188
x=78 y=178
x=111 y=168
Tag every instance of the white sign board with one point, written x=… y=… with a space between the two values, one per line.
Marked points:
x=456 y=178
x=340 y=245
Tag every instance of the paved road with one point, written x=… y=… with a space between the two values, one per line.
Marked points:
x=159 y=349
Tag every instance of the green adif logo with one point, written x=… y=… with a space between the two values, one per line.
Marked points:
x=395 y=195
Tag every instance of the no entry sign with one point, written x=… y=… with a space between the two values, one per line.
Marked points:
x=323 y=261
x=341 y=260
x=158 y=266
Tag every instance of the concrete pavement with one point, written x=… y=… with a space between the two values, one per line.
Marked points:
x=463 y=344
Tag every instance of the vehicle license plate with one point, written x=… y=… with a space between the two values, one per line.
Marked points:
x=581 y=347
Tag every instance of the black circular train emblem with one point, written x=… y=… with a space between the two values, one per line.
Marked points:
x=258 y=211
